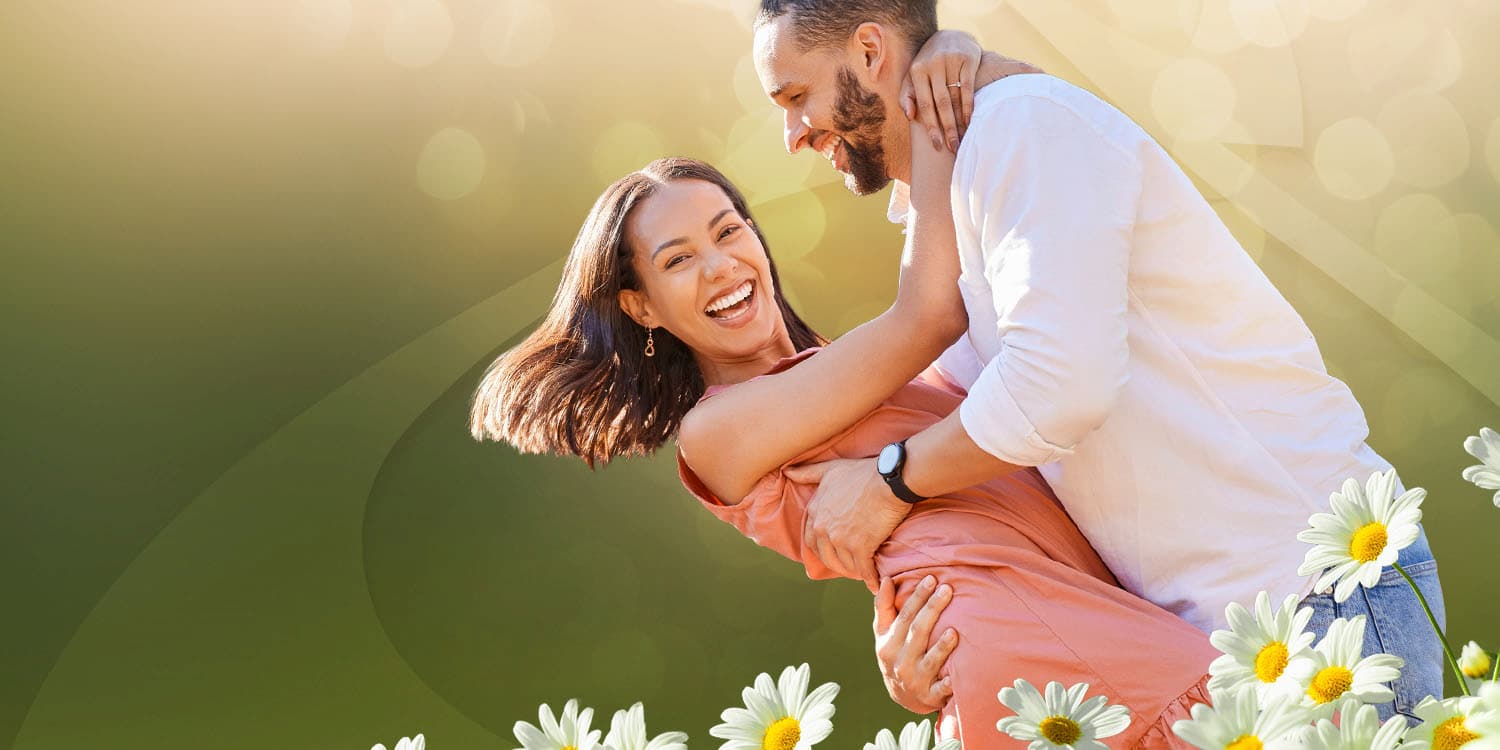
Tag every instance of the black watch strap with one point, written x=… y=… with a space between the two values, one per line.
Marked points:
x=894 y=480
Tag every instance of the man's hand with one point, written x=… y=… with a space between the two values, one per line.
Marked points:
x=908 y=666
x=852 y=513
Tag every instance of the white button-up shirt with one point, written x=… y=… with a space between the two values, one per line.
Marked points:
x=1122 y=341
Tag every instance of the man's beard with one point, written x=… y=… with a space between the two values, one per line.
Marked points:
x=859 y=116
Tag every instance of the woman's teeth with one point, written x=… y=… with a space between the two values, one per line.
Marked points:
x=727 y=301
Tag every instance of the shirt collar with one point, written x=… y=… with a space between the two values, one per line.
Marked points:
x=900 y=204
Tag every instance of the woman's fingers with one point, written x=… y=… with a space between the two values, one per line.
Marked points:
x=926 y=111
x=966 y=74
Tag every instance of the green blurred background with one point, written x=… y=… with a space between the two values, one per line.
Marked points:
x=257 y=252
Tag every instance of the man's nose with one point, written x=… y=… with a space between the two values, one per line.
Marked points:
x=796 y=133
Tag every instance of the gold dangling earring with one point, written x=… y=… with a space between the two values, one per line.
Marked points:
x=650 y=344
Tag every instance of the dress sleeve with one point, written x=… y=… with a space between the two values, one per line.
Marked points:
x=771 y=515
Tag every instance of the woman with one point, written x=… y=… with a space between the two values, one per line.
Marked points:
x=670 y=322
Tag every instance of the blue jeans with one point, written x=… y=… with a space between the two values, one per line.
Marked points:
x=1395 y=624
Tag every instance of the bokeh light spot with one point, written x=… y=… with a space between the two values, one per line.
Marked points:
x=1353 y=159
x=793 y=225
x=747 y=88
x=1335 y=10
x=418 y=32
x=1193 y=99
x=1417 y=235
x=322 y=26
x=517 y=33
x=1428 y=137
x=1156 y=17
x=451 y=165
x=1492 y=149
x=1269 y=23
x=624 y=148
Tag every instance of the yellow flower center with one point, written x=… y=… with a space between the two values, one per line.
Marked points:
x=1452 y=734
x=1368 y=542
x=783 y=734
x=1271 y=661
x=1330 y=683
x=1245 y=742
x=569 y=747
x=1060 y=730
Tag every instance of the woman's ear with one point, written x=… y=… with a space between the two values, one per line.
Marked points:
x=634 y=304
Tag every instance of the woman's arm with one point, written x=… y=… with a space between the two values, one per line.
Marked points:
x=736 y=437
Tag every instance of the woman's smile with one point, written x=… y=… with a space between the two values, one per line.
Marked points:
x=736 y=306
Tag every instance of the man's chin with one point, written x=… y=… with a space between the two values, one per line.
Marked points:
x=866 y=185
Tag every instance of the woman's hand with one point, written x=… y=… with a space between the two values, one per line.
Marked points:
x=938 y=93
x=939 y=89
x=909 y=667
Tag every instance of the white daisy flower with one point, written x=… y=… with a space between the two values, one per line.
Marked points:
x=1484 y=719
x=627 y=731
x=1336 y=669
x=1258 y=649
x=1446 y=725
x=1363 y=534
x=407 y=743
x=570 y=731
x=780 y=715
x=1236 y=721
x=914 y=736
x=1475 y=663
x=1358 y=728
x=1486 y=448
x=1061 y=718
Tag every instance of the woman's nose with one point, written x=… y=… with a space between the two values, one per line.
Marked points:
x=720 y=265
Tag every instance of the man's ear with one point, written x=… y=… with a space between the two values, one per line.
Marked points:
x=872 y=43
x=634 y=304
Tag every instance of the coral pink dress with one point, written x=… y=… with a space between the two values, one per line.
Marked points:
x=1031 y=598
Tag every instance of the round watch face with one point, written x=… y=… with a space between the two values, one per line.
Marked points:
x=889 y=455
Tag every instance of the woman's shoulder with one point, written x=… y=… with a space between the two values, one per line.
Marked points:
x=782 y=365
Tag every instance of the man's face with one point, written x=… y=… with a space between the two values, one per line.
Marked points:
x=828 y=107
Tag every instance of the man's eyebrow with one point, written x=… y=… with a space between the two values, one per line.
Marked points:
x=683 y=240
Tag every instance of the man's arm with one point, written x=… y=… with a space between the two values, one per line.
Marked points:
x=1053 y=199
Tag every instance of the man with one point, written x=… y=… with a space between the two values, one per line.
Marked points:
x=1119 y=340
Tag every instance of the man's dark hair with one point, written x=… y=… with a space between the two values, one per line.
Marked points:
x=829 y=23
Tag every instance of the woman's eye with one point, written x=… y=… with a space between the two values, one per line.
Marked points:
x=731 y=229
x=674 y=260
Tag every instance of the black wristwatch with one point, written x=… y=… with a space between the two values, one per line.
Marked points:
x=891 y=463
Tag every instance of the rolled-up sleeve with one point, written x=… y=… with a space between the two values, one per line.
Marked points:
x=1052 y=199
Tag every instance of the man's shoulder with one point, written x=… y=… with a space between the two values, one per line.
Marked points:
x=1019 y=99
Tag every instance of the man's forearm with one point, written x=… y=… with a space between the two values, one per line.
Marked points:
x=943 y=458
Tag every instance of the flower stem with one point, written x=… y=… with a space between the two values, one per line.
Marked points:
x=1447 y=650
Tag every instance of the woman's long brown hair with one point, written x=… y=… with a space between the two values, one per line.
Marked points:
x=581 y=383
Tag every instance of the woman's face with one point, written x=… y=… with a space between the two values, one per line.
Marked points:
x=705 y=278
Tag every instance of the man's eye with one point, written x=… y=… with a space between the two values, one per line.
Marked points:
x=795 y=98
